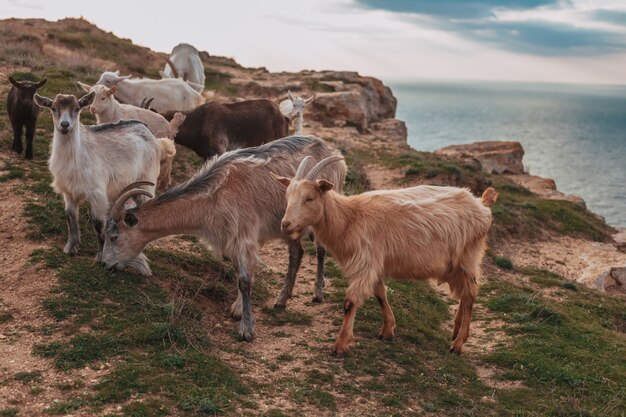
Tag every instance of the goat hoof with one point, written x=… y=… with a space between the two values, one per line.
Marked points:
x=280 y=306
x=246 y=334
x=235 y=316
x=29 y=156
x=70 y=250
x=385 y=338
x=318 y=299
x=455 y=350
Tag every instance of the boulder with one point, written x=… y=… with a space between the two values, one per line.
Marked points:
x=392 y=131
x=340 y=109
x=495 y=157
x=545 y=188
x=612 y=280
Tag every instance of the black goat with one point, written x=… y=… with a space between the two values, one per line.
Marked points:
x=214 y=128
x=23 y=112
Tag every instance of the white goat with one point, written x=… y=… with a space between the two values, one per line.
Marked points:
x=109 y=110
x=413 y=233
x=293 y=107
x=95 y=163
x=170 y=94
x=185 y=63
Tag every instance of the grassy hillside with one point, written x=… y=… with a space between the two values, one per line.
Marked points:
x=135 y=346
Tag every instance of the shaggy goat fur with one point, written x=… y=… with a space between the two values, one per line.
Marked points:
x=414 y=233
x=233 y=204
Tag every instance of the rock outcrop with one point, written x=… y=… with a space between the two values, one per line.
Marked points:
x=494 y=157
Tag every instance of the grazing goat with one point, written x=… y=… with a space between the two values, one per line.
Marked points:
x=108 y=110
x=413 y=233
x=23 y=112
x=214 y=128
x=185 y=63
x=94 y=163
x=233 y=204
x=293 y=107
x=170 y=94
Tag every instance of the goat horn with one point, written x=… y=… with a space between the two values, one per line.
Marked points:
x=173 y=67
x=315 y=171
x=310 y=99
x=302 y=167
x=132 y=186
x=117 y=207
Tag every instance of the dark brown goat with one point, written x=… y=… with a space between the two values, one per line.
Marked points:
x=23 y=112
x=214 y=128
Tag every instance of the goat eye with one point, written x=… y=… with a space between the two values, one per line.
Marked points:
x=308 y=200
x=113 y=238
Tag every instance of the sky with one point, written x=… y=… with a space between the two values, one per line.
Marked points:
x=567 y=41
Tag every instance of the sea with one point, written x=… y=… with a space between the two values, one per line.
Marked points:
x=574 y=134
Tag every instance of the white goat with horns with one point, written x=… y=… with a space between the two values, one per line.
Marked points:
x=293 y=107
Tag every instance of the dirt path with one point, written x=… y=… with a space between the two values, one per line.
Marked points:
x=24 y=286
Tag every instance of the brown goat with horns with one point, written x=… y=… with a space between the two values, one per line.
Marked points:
x=412 y=233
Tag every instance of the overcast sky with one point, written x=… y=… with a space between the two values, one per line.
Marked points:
x=578 y=41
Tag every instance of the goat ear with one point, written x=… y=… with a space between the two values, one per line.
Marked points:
x=41 y=83
x=87 y=99
x=289 y=95
x=324 y=185
x=283 y=180
x=85 y=87
x=42 y=101
x=111 y=91
x=130 y=219
x=15 y=83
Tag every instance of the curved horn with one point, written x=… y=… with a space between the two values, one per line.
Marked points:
x=132 y=186
x=309 y=100
x=173 y=67
x=117 y=207
x=313 y=173
x=303 y=165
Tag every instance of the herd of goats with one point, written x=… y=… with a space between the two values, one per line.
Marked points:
x=256 y=185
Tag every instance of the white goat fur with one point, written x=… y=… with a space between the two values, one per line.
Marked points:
x=170 y=94
x=109 y=110
x=414 y=233
x=94 y=163
x=293 y=107
x=188 y=65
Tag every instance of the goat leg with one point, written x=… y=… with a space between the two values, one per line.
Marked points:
x=246 y=325
x=98 y=226
x=17 y=137
x=30 y=134
x=296 y=251
x=320 y=252
x=73 y=231
x=389 y=321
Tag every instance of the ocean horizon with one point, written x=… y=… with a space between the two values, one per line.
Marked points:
x=574 y=134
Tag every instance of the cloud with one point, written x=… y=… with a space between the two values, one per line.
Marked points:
x=535 y=27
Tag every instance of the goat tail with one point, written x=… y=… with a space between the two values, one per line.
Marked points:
x=168 y=149
x=489 y=197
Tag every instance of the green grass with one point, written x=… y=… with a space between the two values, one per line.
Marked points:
x=8 y=412
x=564 y=352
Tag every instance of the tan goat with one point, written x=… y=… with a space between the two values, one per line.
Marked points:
x=412 y=234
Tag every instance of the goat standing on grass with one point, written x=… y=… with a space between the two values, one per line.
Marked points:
x=233 y=204
x=109 y=110
x=95 y=163
x=412 y=233
x=23 y=112
x=293 y=107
